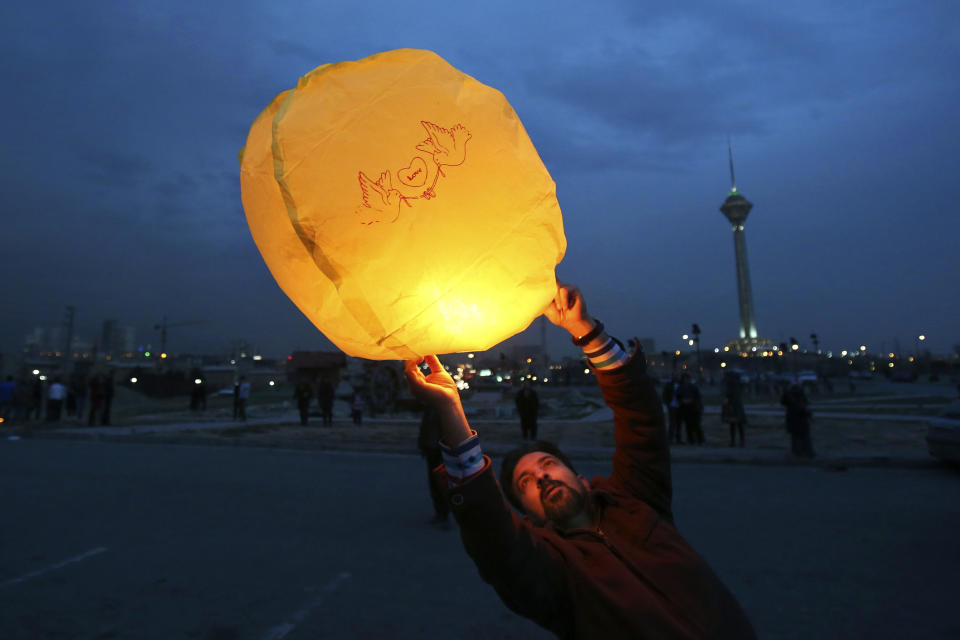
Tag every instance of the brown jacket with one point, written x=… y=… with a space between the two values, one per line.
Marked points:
x=633 y=575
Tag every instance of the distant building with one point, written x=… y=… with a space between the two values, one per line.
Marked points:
x=116 y=339
x=315 y=365
x=44 y=341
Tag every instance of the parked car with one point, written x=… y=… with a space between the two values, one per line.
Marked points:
x=943 y=434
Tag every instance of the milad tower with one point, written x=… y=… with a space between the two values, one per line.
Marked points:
x=736 y=208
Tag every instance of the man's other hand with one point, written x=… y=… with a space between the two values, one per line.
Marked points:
x=568 y=310
x=437 y=388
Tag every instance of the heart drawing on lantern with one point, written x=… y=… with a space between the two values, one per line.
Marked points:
x=381 y=202
x=415 y=174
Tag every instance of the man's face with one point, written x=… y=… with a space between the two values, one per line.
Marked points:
x=549 y=489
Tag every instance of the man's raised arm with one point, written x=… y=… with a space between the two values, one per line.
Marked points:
x=641 y=463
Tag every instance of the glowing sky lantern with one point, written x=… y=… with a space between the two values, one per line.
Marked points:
x=402 y=207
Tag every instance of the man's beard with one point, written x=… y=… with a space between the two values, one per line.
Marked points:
x=560 y=510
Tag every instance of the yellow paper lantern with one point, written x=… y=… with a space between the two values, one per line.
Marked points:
x=402 y=207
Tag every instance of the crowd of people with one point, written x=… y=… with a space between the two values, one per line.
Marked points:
x=87 y=397
x=683 y=404
x=304 y=393
x=81 y=397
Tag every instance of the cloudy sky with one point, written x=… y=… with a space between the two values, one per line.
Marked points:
x=121 y=122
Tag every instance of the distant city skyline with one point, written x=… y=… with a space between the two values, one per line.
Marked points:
x=557 y=347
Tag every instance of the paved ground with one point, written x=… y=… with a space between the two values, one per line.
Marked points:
x=107 y=540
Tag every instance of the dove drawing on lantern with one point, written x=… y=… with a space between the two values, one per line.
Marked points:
x=381 y=200
x=448 y=147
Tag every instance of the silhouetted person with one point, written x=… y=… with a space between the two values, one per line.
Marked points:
x=77 y=394
x=236 y=400
x=691 y=409
x=243 y=395
x=55 y=397
x=356 y=408
x=96 y=399
x=201 y=394
x=428 y=442
x=195 y=393
x=325 y=393
x=528 y=406
x=7 y=390
x=798 y=421
x=21 y=401
x=36 y=399
x=733 y=412
x=673 y=410
x=107 y=398
x=303 y=394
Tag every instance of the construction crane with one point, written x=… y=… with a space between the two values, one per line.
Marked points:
x=162 y=328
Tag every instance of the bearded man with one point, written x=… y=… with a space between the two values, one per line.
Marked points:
x=598 y=559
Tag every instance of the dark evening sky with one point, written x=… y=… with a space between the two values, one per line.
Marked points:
x=119 y=189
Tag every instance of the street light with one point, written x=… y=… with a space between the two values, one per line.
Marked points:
x=916 y=348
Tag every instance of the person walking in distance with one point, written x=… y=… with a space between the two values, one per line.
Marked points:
x=8 y=389
x=325 y=393
x=303 y=394
x=672 y=403
x=528 y=406
x=357 y=406
x=243 y=395
x=107 y=398
x=798 y=418
x=733 y=412
x=691 y=409
x=56 y=394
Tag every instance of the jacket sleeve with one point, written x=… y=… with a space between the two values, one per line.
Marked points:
x=511 y=555
x=641 y=462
